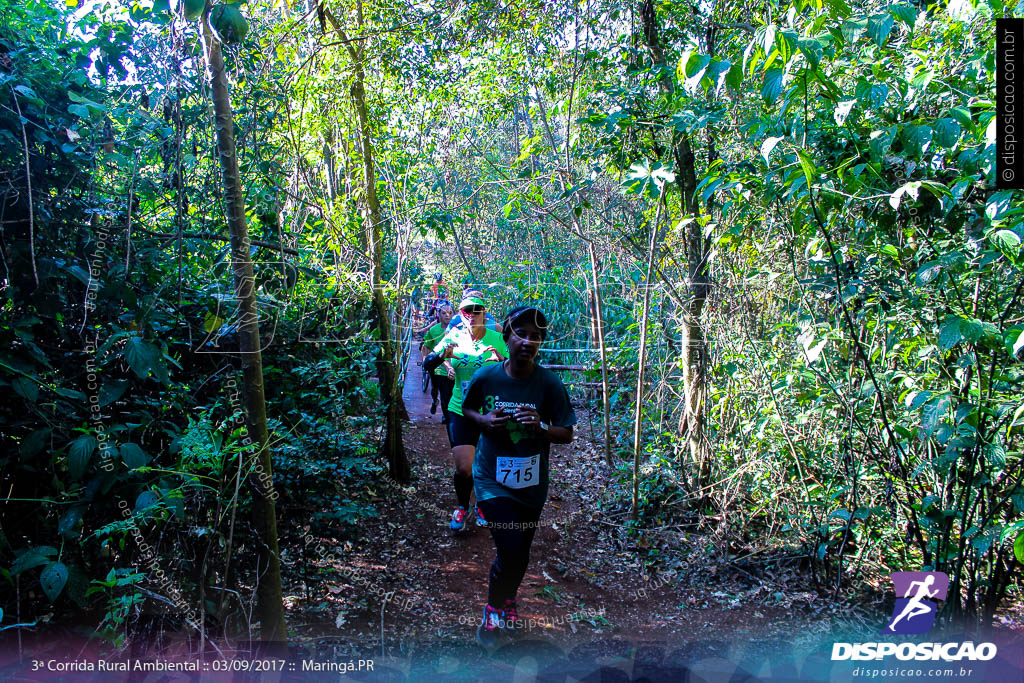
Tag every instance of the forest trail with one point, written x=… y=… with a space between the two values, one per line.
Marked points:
x=584 y=583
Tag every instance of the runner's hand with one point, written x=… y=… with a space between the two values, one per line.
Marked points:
x=495 y=354
x=494 y=421
x=450 y=370
x=449 y=351
x=528 y=417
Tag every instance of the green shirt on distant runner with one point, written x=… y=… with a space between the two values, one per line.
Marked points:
x=430 y=339
x=470 y=355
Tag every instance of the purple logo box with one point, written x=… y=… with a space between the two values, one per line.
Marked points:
x=915 y=608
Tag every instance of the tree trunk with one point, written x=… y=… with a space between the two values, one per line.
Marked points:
x=642 y=362
x=695 y=348
x=387 y=366
x=599 y=329
x=270 y=606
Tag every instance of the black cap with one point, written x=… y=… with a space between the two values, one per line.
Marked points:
x=528 y=313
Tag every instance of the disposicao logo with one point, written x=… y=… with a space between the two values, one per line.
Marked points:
x=914 y=614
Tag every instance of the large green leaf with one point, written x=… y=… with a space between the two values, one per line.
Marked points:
x=26 y=388
x=734 y=79
x=767 y=146
x=53 y=579
x=34 y=442
x=1013 y=340
x=772 y=87
x=1008 y=242
x=853 y=29
x=879 y=28
x=146 y=500
x=69 y=521
x=142 y=357
x=949 y=333
x=976 y=330
x=916 y=139
x=871 y=93
x=692 y=64
x=807 y=166
x=879 y=142
x=79 y=454
x=812 y=50
x=112 y=391
x=904 y=12
x=133 y=456
x=840 y=8
x=945 y=132
x=717 y=72
x=962 y=115
x=32 y=557
x=928 y=272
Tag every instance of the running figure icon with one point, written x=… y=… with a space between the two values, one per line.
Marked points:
x=914 y=611
x=915 y=607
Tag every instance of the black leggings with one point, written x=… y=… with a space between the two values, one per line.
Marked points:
x=512 y=526
x=444 y=386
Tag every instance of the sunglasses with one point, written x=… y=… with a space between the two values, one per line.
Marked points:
x=474 y=310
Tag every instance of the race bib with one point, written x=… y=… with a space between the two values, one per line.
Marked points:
x=518 y=473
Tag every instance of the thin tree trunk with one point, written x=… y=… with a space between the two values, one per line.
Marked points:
x=642 y=362
x=387 y=367
x=599 y=328
x=462 y=254
x=270 y=606
x=694 y=343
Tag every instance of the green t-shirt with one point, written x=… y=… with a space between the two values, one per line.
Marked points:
x=513 y=462
x=430 y=340
x=470 y=355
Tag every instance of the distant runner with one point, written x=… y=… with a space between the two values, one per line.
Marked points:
x=521 y=409
x=467 y=349
x=458 y=323
x=440 y=382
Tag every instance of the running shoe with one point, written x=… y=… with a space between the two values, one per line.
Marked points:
x=433 y=407
x=489 y=631
x=480 y=521
x=458 y=522
x=510 y=615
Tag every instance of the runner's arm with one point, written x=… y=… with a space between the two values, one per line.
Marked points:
x=471 y=404
x=432 y=360
x=558 y=434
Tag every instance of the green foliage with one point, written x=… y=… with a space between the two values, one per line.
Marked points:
x=862 y=314
x=228 y=22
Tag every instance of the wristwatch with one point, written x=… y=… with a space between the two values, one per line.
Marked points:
x=544 y=426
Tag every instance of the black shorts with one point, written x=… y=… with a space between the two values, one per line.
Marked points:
x=462 y=431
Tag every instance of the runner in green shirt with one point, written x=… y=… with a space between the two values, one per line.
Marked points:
x=467 y=349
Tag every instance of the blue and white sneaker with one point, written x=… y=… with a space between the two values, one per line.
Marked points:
x=480 y=521
x=458 y=522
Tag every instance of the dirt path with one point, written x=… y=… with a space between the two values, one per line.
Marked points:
x=410 y=592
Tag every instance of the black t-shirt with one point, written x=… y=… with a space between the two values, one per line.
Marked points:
x=513 y=462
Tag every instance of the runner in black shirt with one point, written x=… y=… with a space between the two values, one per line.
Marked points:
x=521 y=409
